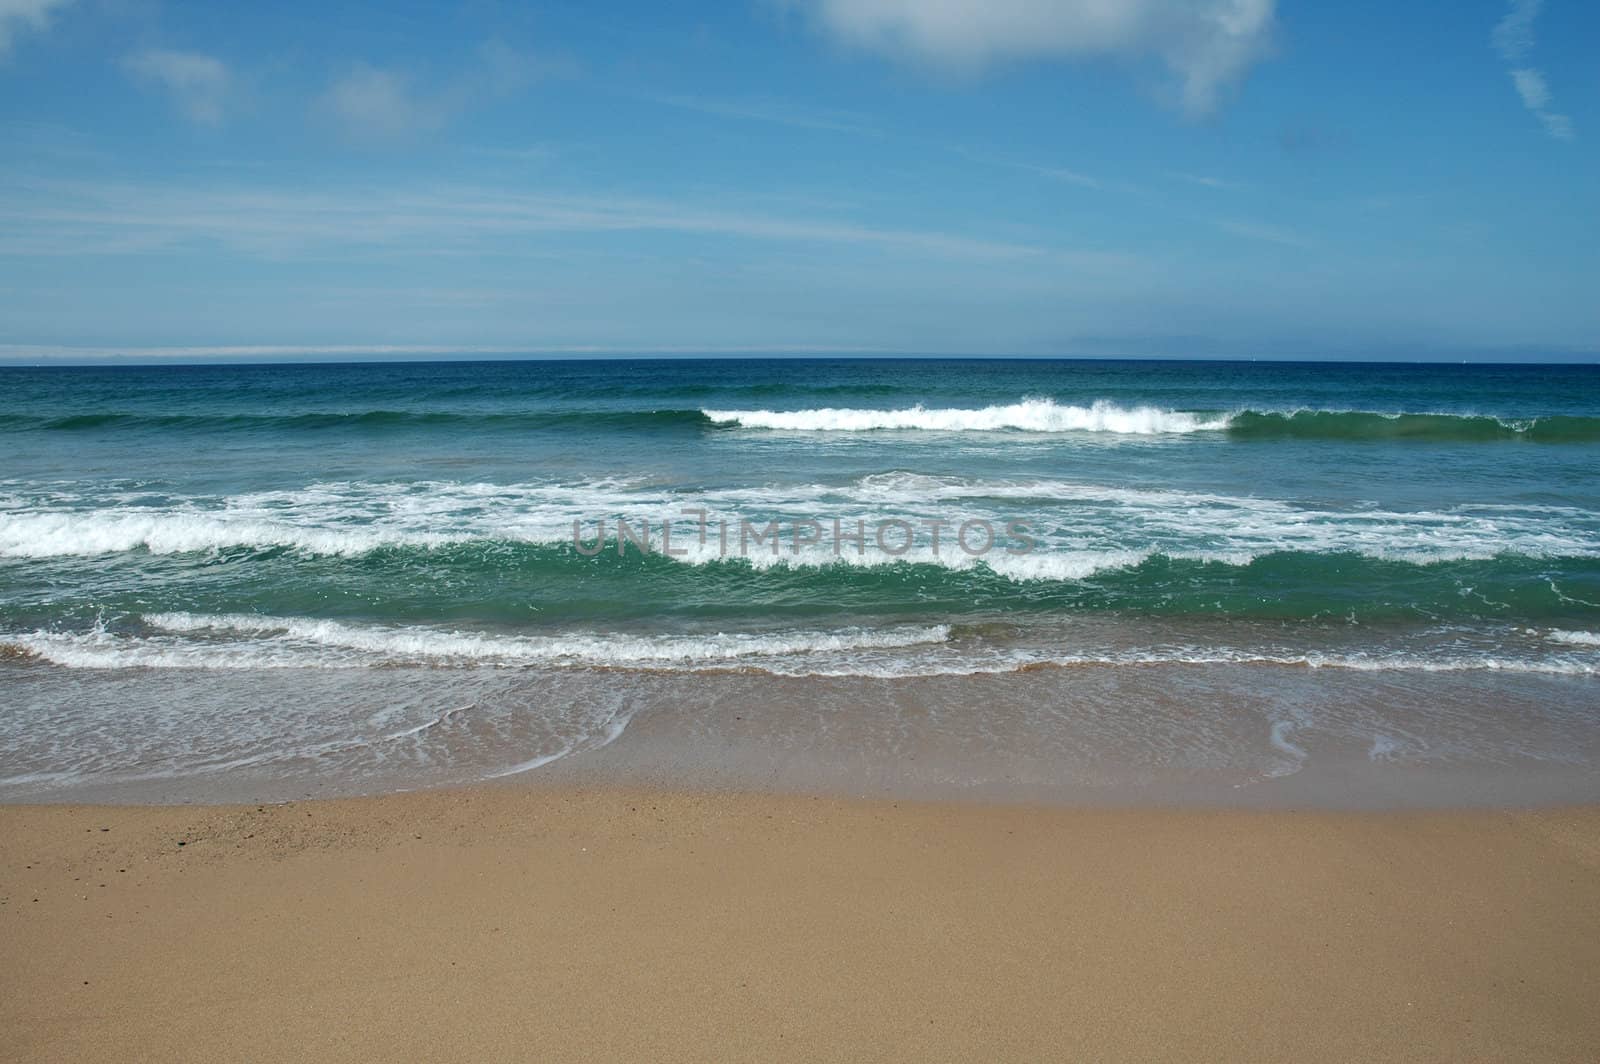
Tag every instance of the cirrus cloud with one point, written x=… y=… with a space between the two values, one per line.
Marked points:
x=1513 y=39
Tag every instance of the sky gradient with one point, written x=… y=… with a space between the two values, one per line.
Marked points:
x=1218 y=178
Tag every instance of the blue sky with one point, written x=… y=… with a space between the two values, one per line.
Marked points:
x=1081 y=177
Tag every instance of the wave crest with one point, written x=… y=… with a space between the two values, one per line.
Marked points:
x=1030 y=415
x=1047 y=416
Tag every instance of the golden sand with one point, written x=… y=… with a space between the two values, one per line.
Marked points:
x=528 y=924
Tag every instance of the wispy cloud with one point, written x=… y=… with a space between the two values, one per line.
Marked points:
x=198 y=84
x=776 y=112
x=1207 y=45
x=531 y=153
x=369 y=103
x=42 y=142
x=17 y=15
x=787 y=114
x=1536 y=98
x=1264 y=232
x=1513 y=39
x=1206 y=181
x=1058 y=173
x=73 y=218
x=1053 y=173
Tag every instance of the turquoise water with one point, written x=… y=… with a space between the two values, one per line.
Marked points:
x=180 y=528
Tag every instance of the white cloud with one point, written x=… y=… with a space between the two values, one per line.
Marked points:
x=1206 y=44
x=1513 y=39
x=1513 y=36
x=373 y=104
x=501 y=69
x=1558 y=126
x=24 y=14
x=1531 y=87
x=198 y=83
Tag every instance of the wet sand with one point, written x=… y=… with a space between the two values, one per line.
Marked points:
x=532 y=923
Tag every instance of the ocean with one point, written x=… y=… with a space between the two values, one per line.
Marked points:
x=1346 y=584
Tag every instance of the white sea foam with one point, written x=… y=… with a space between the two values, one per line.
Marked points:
x=1030 y=415
x=323 y=645
x=1281 y=736
x=98 y=650
x=997 y=661
x=603 y=732
x=1580 y=639
x=899 y=486
x=1373 y=661
x=50 y=535
x=247 y=641
x=1062 y=565
x=1077 y=526
x=1385 y=748
x=390 y=643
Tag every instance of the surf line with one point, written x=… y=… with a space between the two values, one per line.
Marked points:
x=894 y=536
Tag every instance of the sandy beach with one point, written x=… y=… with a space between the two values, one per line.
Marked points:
x=928 y=531
x=531 y=923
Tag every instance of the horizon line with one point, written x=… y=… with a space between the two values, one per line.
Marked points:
x=45 y=355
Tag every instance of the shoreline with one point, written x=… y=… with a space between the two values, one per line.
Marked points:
x=608 y=924
x=1206 y=735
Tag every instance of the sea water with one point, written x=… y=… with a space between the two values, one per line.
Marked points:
x=1341 y=583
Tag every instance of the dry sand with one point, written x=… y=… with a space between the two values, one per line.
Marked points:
x=528 y=924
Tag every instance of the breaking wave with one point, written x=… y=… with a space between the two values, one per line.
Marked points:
x=249 y=641
x=1034 y=415
x=1046 y=416
x=1030 y=415
x=1079 y=528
